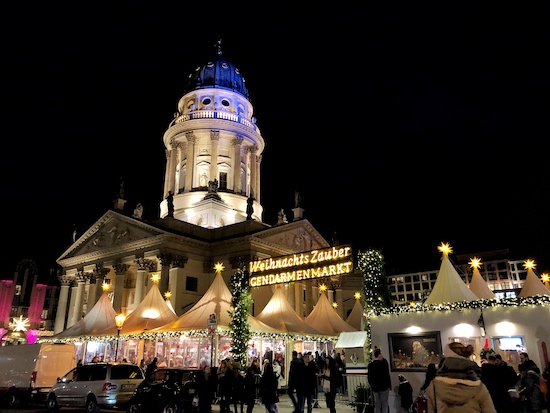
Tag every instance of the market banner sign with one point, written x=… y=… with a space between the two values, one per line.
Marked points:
x=302 y=266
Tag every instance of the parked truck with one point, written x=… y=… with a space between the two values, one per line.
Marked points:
x=28 y=371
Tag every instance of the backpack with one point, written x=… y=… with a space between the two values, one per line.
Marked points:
x=543 y=385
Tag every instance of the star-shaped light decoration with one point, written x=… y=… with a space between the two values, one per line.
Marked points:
x=475 y=262
x=155 y=277
x=20 y=324
x=357 y=295
x=445 y=248
x=219 y=267
x=105 y=286
x=322 y=287
x=167 y=295
x=335 y=305
x=529 y=264
x=545 y=277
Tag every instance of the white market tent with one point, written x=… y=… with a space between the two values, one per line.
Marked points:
x=480 y=287
x=356 y=318
x=217 y=300
x=279 y=314
x=533 y=285
x=325 y=319
x=449 y=287
x=100 y=317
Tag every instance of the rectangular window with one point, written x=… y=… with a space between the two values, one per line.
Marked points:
x=191 y=283
x=223 y=180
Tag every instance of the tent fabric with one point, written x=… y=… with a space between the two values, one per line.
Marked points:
x=153 y=311
x=352 y=339
x=355 y=318
x=325 y=319
x=449 y=287
x=533 y=286
x=480 y=287
x=279 y=314
x=100 y=317
x=217 y=300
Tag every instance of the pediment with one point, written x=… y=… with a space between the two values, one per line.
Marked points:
x=113 y=230
x=296 y=236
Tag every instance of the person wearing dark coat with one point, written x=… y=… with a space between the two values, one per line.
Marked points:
x=306 y=383
x=208 y=384
x=405 y=393
x=268 y=389
x=431 y=372
x=380 y=381
x=238 y=388
x=250 y=394
x=532 y=399
x=494 y=378
x=225 y=385
x=331 y=381
x=151 y=367
x=293 y=379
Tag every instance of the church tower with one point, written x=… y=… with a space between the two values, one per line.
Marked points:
x=213 y=150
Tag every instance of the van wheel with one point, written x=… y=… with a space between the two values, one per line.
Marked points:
x=170 y=408
x=14 y=401
x=134 y=408
x=52 y=405
x=91 y=405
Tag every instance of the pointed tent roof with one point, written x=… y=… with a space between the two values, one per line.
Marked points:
x=355 y=318
x=217 y=300
x=279 y=314
x=324 y=318
x=153 y=311
x=478 y=285
x=449 y=287
x=100 y=317
x=533 y=285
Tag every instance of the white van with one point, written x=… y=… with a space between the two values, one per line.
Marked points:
x=28 y=371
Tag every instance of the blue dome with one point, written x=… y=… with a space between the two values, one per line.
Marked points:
x=217 y=73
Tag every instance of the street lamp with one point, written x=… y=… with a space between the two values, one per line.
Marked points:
x=119 y=321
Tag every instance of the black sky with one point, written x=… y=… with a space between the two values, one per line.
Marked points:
x=404 y=124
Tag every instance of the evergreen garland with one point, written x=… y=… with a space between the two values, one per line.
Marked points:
x=241 y=301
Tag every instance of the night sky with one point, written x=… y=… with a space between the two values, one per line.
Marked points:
x=403 y=125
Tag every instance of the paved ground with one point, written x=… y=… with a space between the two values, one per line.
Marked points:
x=285 y=406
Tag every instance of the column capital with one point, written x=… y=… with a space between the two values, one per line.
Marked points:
x=190 y=136
x=165 y=258
x=65 y=280
x=179 y=261
x=215 y=135
x=237 y=141
x=120 y=268
x=146 y=264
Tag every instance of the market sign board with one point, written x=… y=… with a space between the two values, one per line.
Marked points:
x=302 y=266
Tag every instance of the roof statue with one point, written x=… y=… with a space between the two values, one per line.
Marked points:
x=532 y=285
x=279 y=314
x=449 y=287
x=478 y=285
x=355 y=317
x=324 y=318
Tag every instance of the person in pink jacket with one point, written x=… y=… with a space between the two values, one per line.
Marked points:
x=457 y=387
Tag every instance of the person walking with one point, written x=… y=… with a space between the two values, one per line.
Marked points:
x=532 y=399
x=331 y=380
x=208 y=383
x=225 y=385
x=268 y=389
x=250 y=394
x=238 y=388
x=307 y=384
x=293 y=379
x=405 y=393
x=151 y=367
x=457 y=386
x=278 y=371
x=380 y=381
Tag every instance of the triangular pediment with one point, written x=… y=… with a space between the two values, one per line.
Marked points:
x=295 y=236
x=112 y=231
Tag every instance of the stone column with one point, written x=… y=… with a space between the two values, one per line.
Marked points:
x=214 y=141
x=309 y=298
x=99 y=275
x=182 y=147
x=257 y=179
x=253 y=150
x=237 y=142
x=167 y=172
x=140 y=280
x=291 y=296
x=190 y=164
x=165 y=262
x=173 y=164
x=340 y=302
x=176 y=278
x=62 y=304
x=298 y=300
x=120 y=270
x=81 y=278
x=72 y=299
